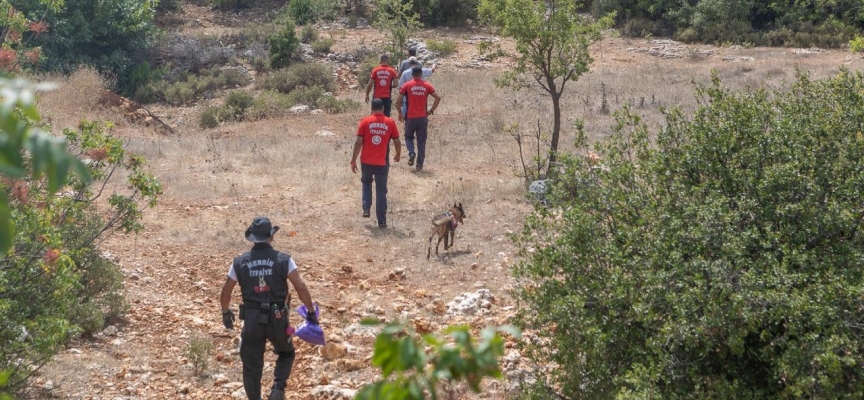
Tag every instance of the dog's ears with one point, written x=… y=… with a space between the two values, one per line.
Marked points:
x=460 y=205
x=454 y=205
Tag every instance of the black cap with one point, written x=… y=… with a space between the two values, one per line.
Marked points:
x=261 y=230
x=416 y=71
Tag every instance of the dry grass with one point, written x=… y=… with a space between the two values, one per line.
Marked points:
x=75 y=98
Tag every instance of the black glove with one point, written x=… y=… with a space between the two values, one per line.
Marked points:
x=311 y=318
x=228 y=319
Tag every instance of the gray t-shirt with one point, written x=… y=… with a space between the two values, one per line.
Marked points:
x=404 y=66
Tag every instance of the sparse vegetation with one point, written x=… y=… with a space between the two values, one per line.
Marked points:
x=444 y=47
x=198 y=353
x=189 y=89
x=297 y=76
x=856 y=45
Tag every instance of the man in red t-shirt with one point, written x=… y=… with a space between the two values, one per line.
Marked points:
x=373 y=145
x=416 y=92
x=383 y=77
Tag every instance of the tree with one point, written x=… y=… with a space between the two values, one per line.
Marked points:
x=284 y=45
x=396 y=18
x=403 y=360
x=720 y=257
x=552 y=39
x=104 y=34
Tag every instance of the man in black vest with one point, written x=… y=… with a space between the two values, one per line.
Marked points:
x=262 y=274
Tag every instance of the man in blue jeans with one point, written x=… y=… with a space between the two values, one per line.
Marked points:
x=416 y=92
x=373 y=146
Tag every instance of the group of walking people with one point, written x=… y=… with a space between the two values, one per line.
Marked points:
x=375 y=132
x=263 y=273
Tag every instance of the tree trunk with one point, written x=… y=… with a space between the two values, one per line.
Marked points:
x=556 y=129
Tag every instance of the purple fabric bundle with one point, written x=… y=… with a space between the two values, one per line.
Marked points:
x=309 y=332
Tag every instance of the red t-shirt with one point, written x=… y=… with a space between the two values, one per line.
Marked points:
x=383 y=76
x=416 y=92
x=376 y=130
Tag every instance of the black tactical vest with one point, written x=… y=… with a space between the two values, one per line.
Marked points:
x=262 y=274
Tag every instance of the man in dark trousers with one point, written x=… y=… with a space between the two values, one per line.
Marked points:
x=382 y=79
x=416 y=92
x=373 y=145
x=263 y=274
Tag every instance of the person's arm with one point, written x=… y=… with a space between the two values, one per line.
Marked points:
x=427 y=72
x=369 y=88
x=225 y=296
x=358 y=144
x=399 y=100
x=435 y=104
x=302 y=290
x=398 y=144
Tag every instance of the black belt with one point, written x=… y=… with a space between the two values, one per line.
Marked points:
x=254 y=305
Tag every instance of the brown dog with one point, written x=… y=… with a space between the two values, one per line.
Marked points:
x=444 y=225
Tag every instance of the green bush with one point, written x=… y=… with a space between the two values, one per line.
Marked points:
x=284 y=46
x=444 y=47
x=308 y=34
x=299 y=75
x=856 y=45
x=169 y=5
x=56 y=283
x=209 y=118
x=365 y=70
x=310 y=11
x=446 y=12
x=413 y=365
x=322 y=46
x=719 y=257
x=105 y=34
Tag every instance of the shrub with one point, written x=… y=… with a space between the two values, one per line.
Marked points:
x=322 y=46
x=308 y=34
x=301 y=11
x=239 y=100
x=856 y=45
x=446 y=12
x=188 y=90
x=140 y=82
x=198 y=353
x=209 y=118
x=284 y=46
x=444 y=47
x=169 y=5
x=56 y=282
x=714 y=258
x=299 y=75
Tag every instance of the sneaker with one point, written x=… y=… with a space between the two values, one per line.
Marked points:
x=365 y=213
x=277 y=394
x=411 y=159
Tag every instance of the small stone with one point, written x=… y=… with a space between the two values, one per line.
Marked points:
x=111 y=330
x=49 y=385
x=298 y=109
x=184 y=389
x=134 y=276
x=332 y=351
x=341 y=310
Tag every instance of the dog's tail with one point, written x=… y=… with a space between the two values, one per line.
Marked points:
x=442 y=219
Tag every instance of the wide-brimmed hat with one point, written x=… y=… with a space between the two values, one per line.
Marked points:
x=261 y=230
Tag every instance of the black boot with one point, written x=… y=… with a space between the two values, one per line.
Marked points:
x=277 y=394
